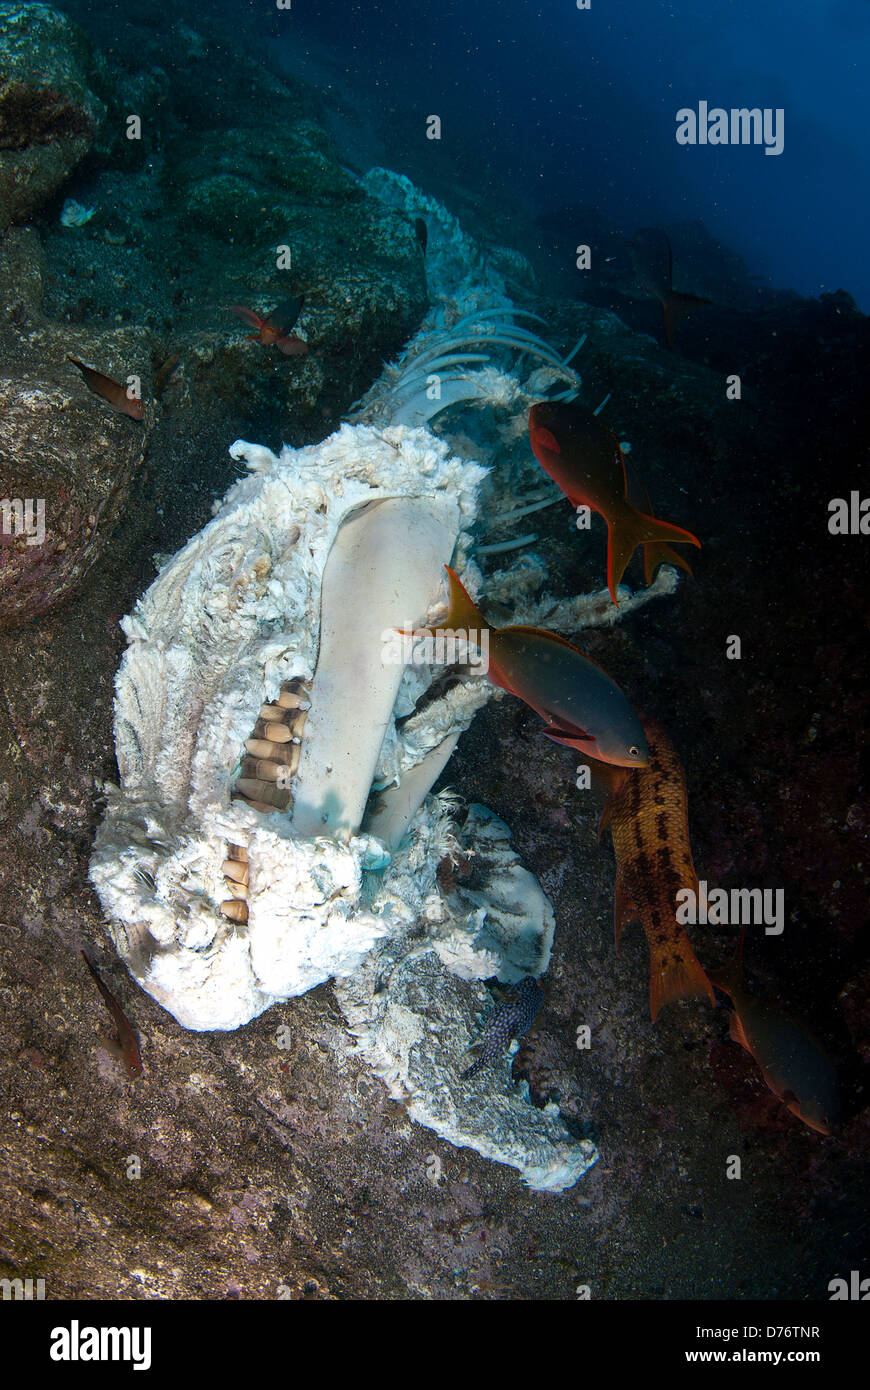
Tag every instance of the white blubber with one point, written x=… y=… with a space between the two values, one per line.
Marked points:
x=260 y=646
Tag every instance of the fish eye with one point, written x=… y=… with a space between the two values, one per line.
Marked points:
x=633 y=752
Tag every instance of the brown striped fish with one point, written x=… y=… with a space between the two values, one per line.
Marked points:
x=648 y=818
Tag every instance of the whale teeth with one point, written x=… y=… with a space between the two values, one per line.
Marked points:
x=273 y=750
x=266 y=769
x=290 y=700
x=264 y=748
x=236 y=870
x=297 y=723
x=275 y=712
x=235 y=910
x=268 y=795
x=276 y=733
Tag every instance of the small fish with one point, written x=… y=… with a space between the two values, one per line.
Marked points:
x=582 y=706
x=648 y=818
x=275 y=329
x=791 y=1061
x=655 y=264
x=129 y=1045
x=507 y=1021
x=421 y=232
x=116 y=395
x=583 y=457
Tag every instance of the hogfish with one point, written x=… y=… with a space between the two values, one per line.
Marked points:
x=648 y=818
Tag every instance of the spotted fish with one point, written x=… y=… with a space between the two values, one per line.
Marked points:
x=648 y=818
x=508 y=1020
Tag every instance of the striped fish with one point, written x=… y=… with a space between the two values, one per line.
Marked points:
x=649 y=822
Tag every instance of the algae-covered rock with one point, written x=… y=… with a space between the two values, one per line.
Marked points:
x=66 y=457
x=49 y=112
x=66 y=462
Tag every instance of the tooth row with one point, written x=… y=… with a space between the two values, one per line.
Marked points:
x=271 y=758
x=235 y=868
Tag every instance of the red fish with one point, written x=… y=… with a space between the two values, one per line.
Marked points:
x=115 y=395
x=583 y=457
x=274 y=329
x=791 y=1061
x=129 y=1045
x=655 y=263
x=583 y=707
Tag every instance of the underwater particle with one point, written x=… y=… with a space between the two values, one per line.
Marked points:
x=507 y=1021
x=74 y=214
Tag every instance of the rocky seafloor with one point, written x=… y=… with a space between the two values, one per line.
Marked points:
x=264 y=1166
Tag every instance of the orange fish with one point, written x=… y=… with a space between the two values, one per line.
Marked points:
x=116 y=395
x=274 y=329
x=129 y=1045
x=583 y=457
x=648 y=819
x=655 y=262
x=583 y=707
x=791 y=1061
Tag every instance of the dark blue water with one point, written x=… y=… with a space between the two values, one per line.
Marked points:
x=579 y=107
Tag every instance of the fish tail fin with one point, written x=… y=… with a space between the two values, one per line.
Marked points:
x=655 y=555
x=631 y=528
x=246 y=315
x=462 y=612
x=675 y=973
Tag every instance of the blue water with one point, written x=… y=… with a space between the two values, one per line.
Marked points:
x=572 y=106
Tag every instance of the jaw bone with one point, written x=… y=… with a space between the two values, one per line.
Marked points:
x=384 y=570
x=231 y=619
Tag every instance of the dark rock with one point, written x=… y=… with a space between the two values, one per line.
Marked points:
x=49 y=112
x=66 y=458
